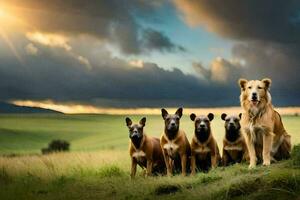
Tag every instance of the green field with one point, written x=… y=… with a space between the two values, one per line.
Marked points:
x=29 y=133
x=98 y=165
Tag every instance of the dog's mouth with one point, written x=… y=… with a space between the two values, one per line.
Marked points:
x=254 y=102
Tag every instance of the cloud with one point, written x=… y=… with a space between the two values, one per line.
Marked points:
x=31 y=49
x=276 y=21
x=114 y=22
x=265 y=36
x=157 y=40
x=111 y=81
x=220 y=70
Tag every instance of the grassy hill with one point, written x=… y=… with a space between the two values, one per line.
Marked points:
x=28 y=133
x=11 y=108
x=98 y=165
x=105 y=175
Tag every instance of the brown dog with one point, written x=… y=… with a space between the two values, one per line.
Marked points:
x=264 y=132
x=205 y=151
x=174 y=143
x=234 y=144
x=144 y=150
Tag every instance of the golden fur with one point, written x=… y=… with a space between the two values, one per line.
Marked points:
x=265 y=135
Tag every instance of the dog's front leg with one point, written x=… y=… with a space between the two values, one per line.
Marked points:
x=133 y=167
x=149 y=167
x=193 y=164
x=267 y=147
x=213 y=161
x=168 y=163
x=183 y=164
x=224 y=158
x=251 y=148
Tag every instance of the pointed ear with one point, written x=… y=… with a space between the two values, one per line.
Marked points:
x=267 y=82
x=210 y=116
x=143 y=121
x=192 y=117
x=128 y=121
x=179 y=112
x=240 y=115
x=242 y=83
x=164 y=113
x=223 y=116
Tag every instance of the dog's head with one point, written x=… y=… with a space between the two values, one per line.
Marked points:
x=172 y=121
x=255 y=92
x=136 y=131
x=232 y=126
x=202 y=126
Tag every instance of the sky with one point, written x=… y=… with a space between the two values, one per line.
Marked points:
x=140 y=53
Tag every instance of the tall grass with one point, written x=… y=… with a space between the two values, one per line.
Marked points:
x=105 y=175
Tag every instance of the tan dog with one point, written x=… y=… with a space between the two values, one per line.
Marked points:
x=234 y=145
x=144 y=150
x=174 y=143
x=261 y=124
x=205 y=151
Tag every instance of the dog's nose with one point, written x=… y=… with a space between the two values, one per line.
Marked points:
x=254 y=95
x=173 y=124
x=202 y=126
x=231 y=124
x=134 y=134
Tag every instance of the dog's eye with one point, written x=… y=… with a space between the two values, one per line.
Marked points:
x=259 y=87
x=227 y=120
x=249 y=87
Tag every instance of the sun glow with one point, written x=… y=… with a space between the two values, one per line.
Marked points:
x=68 y=108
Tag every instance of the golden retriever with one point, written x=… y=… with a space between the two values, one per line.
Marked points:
x=265 y=135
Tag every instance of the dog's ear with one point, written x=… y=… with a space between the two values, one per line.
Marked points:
x=143 y=121
x=242 y=83
x=210 y=116
x=267 y=82
x=223 y=116
x=164 y=113
x=179 y=112
x=128 y=121
x=240 y=115
x=192 y=116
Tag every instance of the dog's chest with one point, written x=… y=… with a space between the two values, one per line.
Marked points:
x=202 y=149
x=234 y=151
x=255 y=131
x=139 y=155
x=171 y=148
x=233 y=147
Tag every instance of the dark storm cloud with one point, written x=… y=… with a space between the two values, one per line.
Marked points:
x=113 y=21
x=157 y=40
x=267 y=36
x=268 y=20
x=53 y=73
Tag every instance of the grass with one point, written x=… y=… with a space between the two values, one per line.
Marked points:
x=98 y=165
x=26 y=134
x=105 y=175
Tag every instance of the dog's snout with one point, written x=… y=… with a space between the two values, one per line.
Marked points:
x=231 y=123
x=202 y=125
x=254 y=95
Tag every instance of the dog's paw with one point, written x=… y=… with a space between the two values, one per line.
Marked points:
x=266 y=163
x=251 y=166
